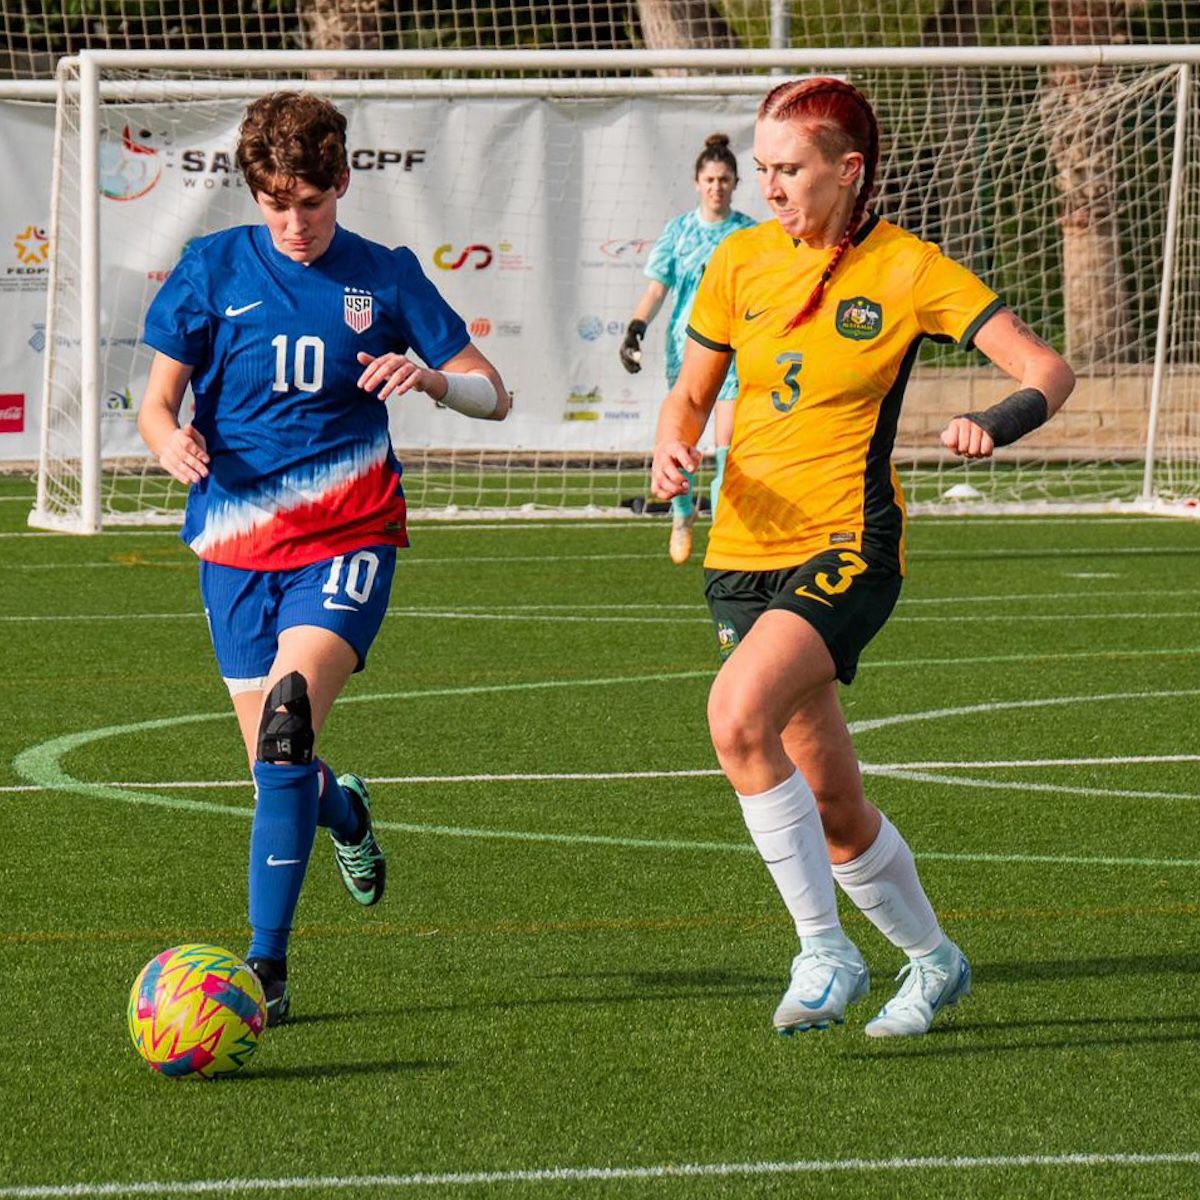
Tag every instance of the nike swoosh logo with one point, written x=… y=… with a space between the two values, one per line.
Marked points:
x=815 y=1004
x=230 y=311
x=750 y=316
x=272 y=861
x=803 y=591
x=332 y=604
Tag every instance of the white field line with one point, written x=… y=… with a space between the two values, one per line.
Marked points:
x=1014 y=763
x=683 y=773
x=40 y=764
x=363 y=1183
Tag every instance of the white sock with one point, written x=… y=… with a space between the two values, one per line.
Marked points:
x=786 y=828
x=883 y=883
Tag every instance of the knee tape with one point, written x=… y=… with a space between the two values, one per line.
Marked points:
x=287 y=736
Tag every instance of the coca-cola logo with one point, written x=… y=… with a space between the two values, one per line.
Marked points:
x=12 y=412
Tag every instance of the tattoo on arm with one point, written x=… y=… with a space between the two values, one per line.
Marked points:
x=1026 y=332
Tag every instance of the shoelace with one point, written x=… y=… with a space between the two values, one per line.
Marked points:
x=359 y=860
x=918 y=974
x=823 y=958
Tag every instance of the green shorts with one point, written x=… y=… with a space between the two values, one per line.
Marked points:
x=842 y=594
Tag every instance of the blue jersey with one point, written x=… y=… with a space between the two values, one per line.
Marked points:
x=678 y=261
x=301 y=467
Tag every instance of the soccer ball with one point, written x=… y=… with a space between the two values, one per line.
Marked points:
x=196 y=1011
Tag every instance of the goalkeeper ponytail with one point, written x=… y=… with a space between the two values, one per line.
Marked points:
x=838 y=119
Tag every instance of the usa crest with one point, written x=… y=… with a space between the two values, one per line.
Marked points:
x=358 y=310
x=859 y=319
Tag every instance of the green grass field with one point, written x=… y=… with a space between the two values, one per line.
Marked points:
x=568 y=989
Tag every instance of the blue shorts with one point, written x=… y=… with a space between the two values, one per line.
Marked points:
x=248 y=610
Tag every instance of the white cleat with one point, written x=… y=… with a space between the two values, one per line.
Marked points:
x=680 y=545
x=936 y=981
x=824 y=984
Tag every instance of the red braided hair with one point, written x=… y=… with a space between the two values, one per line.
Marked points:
x=838 y=118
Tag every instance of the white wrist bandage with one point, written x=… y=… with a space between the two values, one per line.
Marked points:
x=471 y=395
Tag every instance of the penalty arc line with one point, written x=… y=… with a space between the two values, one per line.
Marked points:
x=41 y=765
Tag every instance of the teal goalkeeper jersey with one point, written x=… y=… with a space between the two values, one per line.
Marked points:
x=677 y=262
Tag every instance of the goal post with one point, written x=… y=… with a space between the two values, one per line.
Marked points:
x=531 y=186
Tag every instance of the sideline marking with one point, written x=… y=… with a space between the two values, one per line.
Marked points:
x=195 y=1187
x=40 y=764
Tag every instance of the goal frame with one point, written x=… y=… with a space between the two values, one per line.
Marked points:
x=500 y=65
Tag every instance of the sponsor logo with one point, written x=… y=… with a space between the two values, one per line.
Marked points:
x=32 y=246
x=579 y=396
x=480 y=327
x=272 y=861
x=625 y=249
x=859 y=319
x=230 y=311
x=581 y=414
x=38 y=341
x=839 y=539
x=750 y=316
x=116 y=405
x=508 y=328
x=333 y=606
x=478 y=255
x=29 y=267
x=617 y=253
x=12 y=412
x=590 y=328
x=129 y=165
x=622 y=415
x=372 y=159
x=358 y=309
x=200 y=166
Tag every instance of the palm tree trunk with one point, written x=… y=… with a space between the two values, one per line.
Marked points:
x=683 y=25
x=1082 y=132
x=339 y=25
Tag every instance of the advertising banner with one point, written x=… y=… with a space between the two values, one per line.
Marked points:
x=534 y=218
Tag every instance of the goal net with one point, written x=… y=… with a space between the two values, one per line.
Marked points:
x=1067 y=179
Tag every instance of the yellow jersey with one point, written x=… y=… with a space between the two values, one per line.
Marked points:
x=809 y=466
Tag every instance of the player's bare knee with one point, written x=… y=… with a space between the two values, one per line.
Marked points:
x=286 y=733
x=736 y=735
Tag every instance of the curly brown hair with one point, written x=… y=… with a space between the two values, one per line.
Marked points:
x=291 y=137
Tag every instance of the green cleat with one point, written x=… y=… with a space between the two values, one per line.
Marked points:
x=362 y=863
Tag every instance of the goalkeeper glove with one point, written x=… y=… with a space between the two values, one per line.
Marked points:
x=631 y=347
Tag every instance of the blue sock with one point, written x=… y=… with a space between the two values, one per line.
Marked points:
x=336 y=810
x=285 y=823
x=682 y=506
x=714 y=491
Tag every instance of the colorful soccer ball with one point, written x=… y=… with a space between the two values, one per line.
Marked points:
x=196 y=1011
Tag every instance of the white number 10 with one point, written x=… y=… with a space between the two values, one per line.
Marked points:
x=309 y=370
x=360 y=577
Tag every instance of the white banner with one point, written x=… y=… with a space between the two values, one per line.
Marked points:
x=533 y=217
